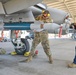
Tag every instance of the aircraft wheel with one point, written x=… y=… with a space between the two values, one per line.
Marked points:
x=25 y=47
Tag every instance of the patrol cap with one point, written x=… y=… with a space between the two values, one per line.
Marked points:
x=45 y=11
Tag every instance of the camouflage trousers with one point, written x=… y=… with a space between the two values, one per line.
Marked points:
x=43 y=38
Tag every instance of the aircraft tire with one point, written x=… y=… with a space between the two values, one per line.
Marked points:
x=24 y=49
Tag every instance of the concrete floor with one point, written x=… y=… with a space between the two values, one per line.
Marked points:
x=62 y=51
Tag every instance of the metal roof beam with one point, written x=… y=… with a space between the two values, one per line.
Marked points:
x=68 y=9
x=69 y=0
x=59 y=5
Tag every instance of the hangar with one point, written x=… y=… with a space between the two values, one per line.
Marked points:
x=17 y=17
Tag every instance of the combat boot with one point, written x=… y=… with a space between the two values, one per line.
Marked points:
x=2 y=51
x=50 y=59
x=72 y=65
x=27 y=60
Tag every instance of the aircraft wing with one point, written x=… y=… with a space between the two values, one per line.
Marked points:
x=11 y=6
x=16 y=10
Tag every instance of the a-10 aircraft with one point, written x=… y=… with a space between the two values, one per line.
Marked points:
x=20 y=15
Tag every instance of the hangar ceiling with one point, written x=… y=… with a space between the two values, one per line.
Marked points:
x=66 y=5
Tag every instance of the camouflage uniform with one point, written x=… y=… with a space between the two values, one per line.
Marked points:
x=43 y=38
